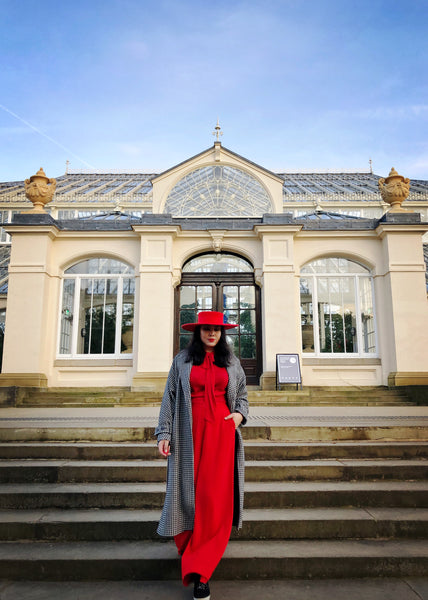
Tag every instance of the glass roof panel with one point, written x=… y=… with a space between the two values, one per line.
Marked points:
x=218 y=191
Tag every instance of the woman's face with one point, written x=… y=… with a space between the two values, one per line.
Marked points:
x=210 y=335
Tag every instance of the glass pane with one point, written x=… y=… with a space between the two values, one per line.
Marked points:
x=231 y=316
x=187 y=304
x=217 y=262
x=127 y=316
x=233 y=341
x=333 y=265
x=306 y=314
x=109 y=333
x=204 y=296
x=336 y=308
x=66 y=316
x=347 y=285
x=184 y=340
x=248 y=346
x=247 y=296
x=187 y=297
x=85 y=303
x=230 y=297
x=247 y=321
x=324 y=315
x=100 y=266
x=367 y=316
x=97 y=316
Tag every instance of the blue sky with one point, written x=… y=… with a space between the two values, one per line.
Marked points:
x=139 y=84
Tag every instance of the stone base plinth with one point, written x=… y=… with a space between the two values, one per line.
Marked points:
x=38 y=380
x=149 y=382
x=404 y=378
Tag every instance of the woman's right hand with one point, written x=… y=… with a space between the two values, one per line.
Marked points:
x=163 y=448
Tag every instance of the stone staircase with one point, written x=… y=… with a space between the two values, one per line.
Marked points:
x=288 y=396
x=346 y=499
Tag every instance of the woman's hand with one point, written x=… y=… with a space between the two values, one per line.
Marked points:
x=237 y=418
x=163 y=448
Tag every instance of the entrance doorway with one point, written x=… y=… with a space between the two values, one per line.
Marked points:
x=223 y=282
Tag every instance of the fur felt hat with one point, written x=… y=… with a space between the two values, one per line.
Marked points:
x=210 y=317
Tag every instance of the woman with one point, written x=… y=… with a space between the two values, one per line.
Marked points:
x=204 y=403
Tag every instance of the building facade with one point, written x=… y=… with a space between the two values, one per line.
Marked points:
x=317 y=265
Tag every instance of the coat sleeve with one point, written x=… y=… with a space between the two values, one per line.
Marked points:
x=241 y=401
x=166 y=416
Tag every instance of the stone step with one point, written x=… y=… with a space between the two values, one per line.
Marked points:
x=253 y=450
x=280 y=399
x=334 y=402
x=298 y=494
x=287 y=430
x=147 y=560
x=262 y=524
x=52 y=471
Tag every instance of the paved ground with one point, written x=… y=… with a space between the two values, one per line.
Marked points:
x=329 y=589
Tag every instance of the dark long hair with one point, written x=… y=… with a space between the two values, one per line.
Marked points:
x=196 y=350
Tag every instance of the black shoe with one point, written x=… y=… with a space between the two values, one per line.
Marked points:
x=201 y=590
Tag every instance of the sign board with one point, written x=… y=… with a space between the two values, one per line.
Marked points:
x=288 y=369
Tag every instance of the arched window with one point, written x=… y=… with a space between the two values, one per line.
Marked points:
x=337 y=308
x=97 y=312
x=218 y=191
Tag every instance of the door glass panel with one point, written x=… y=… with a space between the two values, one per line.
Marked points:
x=233 y=341
x=184 y=340
x=204 y=297
x=230 y=296
x=248 y=346
x=231 y=316
x=247 y=296
x=247 y=321
x=187 y=304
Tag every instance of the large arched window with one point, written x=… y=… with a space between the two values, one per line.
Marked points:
x=337 y=308
x=97 y=311
x=218 y=191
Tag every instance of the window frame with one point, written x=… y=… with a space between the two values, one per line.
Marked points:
x=77 y=277
x=357 y=299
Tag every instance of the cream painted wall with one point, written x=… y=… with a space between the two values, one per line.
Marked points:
x=408 y=307
x=40 y=255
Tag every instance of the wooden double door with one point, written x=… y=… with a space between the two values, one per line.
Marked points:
x=237 y=296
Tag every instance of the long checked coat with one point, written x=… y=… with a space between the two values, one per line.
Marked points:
x=175 y=425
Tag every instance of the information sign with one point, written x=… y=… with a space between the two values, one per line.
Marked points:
x=288 y=369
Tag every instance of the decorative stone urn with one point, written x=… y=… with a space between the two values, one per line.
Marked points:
x=394 y=190
x=40 y=190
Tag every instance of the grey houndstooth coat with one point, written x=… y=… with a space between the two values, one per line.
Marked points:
x=175 y=425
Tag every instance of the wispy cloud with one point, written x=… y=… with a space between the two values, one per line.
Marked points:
x=48 y=137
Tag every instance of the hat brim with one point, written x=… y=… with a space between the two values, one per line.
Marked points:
x=192 y=326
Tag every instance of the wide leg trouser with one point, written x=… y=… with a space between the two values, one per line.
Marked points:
x=214 y=451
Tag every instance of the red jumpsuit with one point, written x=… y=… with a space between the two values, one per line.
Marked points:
x=214 y=451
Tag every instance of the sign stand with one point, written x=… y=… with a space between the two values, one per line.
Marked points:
x=288 y=370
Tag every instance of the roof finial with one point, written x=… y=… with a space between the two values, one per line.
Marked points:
x=218 y=132
x=371 y=166
x=67 y=162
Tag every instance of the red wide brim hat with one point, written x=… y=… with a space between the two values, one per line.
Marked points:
x=211 y=317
